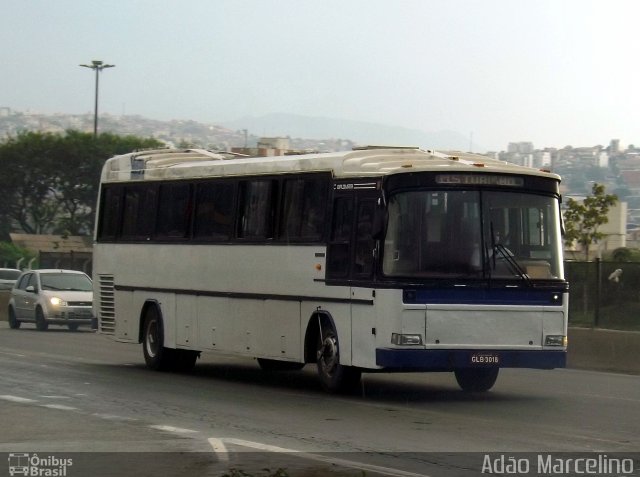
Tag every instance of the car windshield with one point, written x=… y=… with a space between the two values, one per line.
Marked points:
x=65 y=281
x=9 y=274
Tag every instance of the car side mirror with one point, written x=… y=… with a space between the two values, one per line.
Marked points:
x=30 y=289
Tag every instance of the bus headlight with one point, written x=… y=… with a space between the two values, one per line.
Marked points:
x=555 y=340
x=406 y=340
x=55 y=301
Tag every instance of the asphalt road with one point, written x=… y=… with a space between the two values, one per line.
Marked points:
x=81 y=393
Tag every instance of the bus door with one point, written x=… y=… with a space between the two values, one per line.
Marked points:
x=352 y=258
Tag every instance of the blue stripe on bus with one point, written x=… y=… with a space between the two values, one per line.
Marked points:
x=483 y=296
x=448 y=360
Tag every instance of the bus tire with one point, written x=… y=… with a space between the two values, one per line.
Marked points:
x=276 y=365
x=73 y=326
x=476 y=380
x=14 y=324
x=334 y=377
x=156 y=356
x=41 y=323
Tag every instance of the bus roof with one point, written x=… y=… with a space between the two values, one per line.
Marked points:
x=372 y=161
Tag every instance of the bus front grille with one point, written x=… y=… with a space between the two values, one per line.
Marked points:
x=107 y=304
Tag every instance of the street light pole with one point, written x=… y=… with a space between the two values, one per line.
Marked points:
x=97 y=66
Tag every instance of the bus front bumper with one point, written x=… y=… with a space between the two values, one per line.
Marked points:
x=448 y=360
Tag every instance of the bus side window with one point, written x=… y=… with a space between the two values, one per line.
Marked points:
x=256 y=209
x=138 y=216
x=214 y=211
x=303 y=214
x=174 y=211
x=339 y=256
x=110 y=213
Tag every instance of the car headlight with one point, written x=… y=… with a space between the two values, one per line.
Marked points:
x=55 y=301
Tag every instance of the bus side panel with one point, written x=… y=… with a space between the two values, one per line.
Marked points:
x=374 y=325
x=277 y=330
x=242 y=335
x=186 y=323
x=363 y=331
x=127 y=322
x=214 y=323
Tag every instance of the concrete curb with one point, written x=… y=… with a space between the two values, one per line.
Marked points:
x=604 y=350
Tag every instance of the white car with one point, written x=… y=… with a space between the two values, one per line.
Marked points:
x=44 y=297
x=8 y=277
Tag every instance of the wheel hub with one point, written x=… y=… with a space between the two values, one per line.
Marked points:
x=328 y=354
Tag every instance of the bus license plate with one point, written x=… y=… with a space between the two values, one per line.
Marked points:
x=485 y=358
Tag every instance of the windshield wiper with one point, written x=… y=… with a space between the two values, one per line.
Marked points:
x=513 y=264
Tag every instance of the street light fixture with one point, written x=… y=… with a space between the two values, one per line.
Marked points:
x=97 y=66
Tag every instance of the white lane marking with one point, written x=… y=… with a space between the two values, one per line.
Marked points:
x=113 y=417
x=7 y=397
x=178 y=430
x=321 y=458
x=219 y=448
x=13 y=354
x=60 y=407
x=56 y=397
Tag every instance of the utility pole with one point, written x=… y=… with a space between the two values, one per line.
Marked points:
x=97 y=66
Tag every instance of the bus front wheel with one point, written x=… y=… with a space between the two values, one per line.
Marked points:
x=334 y=376
x=476 y=380
x=156 y=355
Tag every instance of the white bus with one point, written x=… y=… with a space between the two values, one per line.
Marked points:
x=374 y=260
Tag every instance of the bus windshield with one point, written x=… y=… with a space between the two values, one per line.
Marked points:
x=473 y=234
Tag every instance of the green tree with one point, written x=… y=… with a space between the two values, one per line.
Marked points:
x=624 y=254
x=10 y=254
x=583 y=219
x=28 y=173
x=49 y=182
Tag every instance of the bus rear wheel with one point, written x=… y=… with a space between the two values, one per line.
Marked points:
x=334 y=377
x=156 y=355
x=476 y=380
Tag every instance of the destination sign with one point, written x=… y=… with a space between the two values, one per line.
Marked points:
x=479 y=180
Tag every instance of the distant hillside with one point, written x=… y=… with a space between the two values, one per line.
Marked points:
x=323 y=134
x=363 y=133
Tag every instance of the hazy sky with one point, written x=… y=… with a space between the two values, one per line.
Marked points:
x=554 y=72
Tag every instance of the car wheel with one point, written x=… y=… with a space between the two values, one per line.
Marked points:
x=14 y=324
x=73 y=326
x=41 y=323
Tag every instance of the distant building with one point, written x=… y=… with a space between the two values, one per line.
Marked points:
x=520 y=147
x=57 y=251
x=266 y=147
